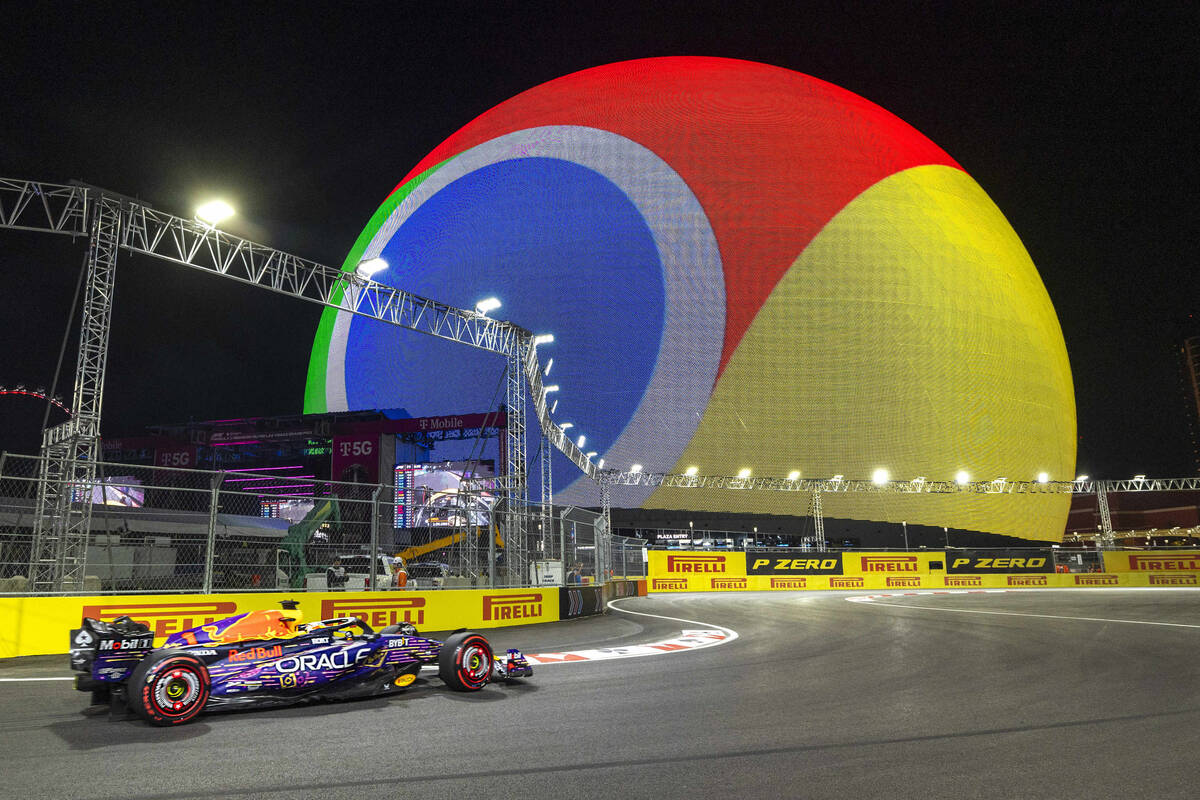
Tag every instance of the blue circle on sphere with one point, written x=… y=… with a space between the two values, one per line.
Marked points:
x=566 y=252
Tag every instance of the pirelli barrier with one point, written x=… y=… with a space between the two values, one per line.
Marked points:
x=40 y=625
x=683 y=571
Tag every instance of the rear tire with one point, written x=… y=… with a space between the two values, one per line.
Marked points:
x=169 y=689
x=465 y=662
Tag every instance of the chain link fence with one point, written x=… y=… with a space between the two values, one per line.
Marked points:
x=161 y=529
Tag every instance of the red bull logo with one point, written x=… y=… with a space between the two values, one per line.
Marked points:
x=729 y=583
x=963 y=580
x=845 y=583
x=1095 y=580
x=377 y=612
x=1173 y=580
x=889 y=563
x=256 y=653
x=789 y=583
x=1027 y=580
x=695 y=563
x=1185 y=563
x=164 y=618
x=898 y=582
x=511 y=606
x=668 y=584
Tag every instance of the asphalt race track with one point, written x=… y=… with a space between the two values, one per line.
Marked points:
x=1050 y=694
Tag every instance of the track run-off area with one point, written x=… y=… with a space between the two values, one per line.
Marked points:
x=1084 y=693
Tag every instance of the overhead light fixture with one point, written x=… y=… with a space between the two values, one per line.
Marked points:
x=1082 y=478
x=566 y=425
x=554 y=407
x=794 y=475
x=1043 y=477
x=600 y=464
x=486 y=305
x=582 y=439
x=549 y=389
x=370 y=266
x=592 y=454
x=880 y=477
x=636 y=468
x=962 y=478
x=549 y=364
x=691 y=471
x=214 y=212
x=744 y=472
x=543 y=338
x=838 y=477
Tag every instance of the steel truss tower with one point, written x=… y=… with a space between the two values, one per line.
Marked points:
x=70 y=451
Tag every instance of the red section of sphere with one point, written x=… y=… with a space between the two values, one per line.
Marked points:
x=772 y=155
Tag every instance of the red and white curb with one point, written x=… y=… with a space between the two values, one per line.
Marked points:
x=706 y=634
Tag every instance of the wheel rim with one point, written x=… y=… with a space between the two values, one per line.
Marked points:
x=476 y=663
x=177 y=690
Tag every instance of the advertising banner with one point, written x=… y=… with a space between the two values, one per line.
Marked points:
x=1163 y=561
x=790 y=564
x=1004 y=562
x=40 y=625
x=356 y=458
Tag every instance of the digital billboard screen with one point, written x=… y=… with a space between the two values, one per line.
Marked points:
x=431 y=496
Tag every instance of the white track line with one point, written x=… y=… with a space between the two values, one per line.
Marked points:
x=1040 y=616
x=21 y=680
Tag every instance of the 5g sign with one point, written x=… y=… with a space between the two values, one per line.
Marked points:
x=176 y=458
x=351 y=449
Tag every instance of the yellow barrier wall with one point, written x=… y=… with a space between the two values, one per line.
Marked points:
x=41 y=625
x=684 y=571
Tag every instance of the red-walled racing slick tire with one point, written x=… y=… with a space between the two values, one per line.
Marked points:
x=465 y=662
x=169 y=690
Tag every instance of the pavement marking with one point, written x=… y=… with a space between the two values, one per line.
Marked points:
x=19 y=680
x=875 y=599
x=708 y=635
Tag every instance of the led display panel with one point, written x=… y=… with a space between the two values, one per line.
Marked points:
x=743 y=267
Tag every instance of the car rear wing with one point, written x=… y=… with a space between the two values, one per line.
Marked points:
x=109 y=650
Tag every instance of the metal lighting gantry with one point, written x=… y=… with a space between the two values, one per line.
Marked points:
x=112 y=222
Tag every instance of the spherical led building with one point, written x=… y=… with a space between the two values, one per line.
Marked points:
x=743 y=267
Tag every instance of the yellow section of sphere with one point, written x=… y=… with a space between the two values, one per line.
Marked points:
x=913 y=334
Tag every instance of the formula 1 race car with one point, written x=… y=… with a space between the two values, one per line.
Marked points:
x=269 y=658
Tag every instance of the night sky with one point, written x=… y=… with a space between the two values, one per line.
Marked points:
x=1078 y=121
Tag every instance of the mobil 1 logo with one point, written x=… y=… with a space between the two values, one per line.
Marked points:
x=806 y=564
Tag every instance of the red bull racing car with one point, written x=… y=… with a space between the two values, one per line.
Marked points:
x=270 y=658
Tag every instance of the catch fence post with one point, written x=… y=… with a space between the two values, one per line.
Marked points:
x=210 y=550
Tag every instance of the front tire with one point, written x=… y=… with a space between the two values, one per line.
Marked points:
x=465 y=662
x=169 y=689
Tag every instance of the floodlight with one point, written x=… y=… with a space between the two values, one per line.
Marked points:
x=794 y=475
x=744 y=472
x=486 y=305
x=691 y=470
x=214 y=212
x=370 y=266
x=962 y=478
x=880 y=477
